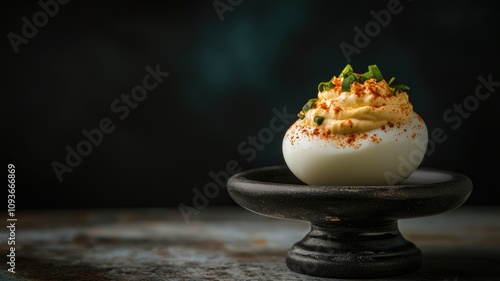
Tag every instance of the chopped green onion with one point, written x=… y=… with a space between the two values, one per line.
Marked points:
x=376 y=72
x=325 y=86
x=346 y=84
x=367 y=75
x=318 y=119
x=400 y=88
x=301 y=116
x=392 y=80
x=346 y=71
x=349 y=76
x=309 y=104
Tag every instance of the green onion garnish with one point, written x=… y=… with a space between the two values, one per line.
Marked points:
x=376 y=72
x=325 y=86
x=367 y=75
x=346 y=84
x=349 y=76
x=309 y=104
x=318 y=119
x=346 y=71
x=301 y=116
x=390 y=81
x=400 y=88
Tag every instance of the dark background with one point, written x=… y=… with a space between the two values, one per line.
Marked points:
x=226 y=77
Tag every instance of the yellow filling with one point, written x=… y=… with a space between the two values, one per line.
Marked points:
x=366 y=106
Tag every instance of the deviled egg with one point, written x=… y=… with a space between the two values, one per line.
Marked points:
x=359 y=130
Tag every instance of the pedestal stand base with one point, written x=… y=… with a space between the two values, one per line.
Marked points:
x=354 y=250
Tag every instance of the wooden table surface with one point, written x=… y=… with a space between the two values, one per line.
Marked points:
x=222 y=243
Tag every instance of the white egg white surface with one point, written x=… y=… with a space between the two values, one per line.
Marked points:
x=382 y=156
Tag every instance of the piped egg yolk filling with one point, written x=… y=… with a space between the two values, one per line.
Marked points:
x=368 y=105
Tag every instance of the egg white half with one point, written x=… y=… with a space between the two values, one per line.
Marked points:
x=382 y=156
